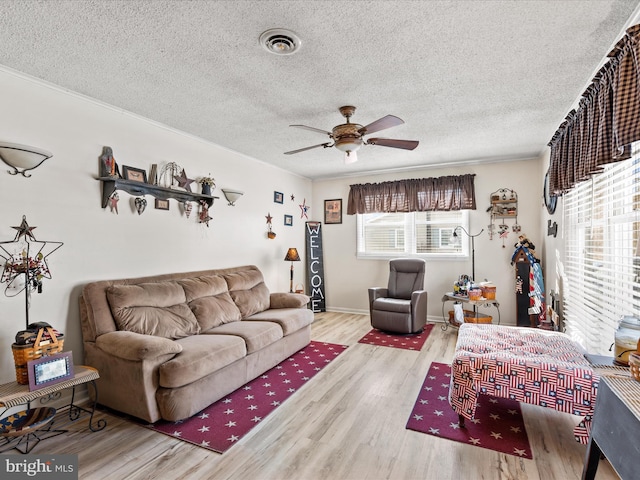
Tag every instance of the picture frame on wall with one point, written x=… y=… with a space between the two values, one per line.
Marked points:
x=162 y=204
x=333 y=211
x=49 y=370
x=134 y=174
x=288 y=220
x=278 y=197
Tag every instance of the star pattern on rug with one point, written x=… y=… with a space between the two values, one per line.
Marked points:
x=225 y=422
x=498 y=423
x=406 y=342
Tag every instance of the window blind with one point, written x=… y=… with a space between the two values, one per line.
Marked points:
x=601 y=265
x=426 y=234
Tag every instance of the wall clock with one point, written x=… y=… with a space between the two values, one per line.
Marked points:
x=550 y=201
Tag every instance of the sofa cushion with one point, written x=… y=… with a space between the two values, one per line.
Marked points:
x=209 y=300
x=248 y=291
x=158 y=309
x=256 y=335
x=201 y=355
x=290 y=319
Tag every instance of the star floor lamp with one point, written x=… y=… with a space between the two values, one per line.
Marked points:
x=25 y=263
x=292 y=256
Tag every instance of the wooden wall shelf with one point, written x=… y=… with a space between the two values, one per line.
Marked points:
x=110 y=185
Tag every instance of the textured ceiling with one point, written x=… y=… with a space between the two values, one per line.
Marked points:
x=473 y=80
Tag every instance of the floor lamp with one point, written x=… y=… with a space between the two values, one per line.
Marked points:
x=292 y=256
x=456 y=240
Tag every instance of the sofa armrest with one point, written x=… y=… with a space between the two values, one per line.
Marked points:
x=135 y=346
x=288 y=300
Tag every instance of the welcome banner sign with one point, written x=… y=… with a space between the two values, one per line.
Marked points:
x=315 y=266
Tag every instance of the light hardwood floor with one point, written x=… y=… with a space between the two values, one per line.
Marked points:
x=347 y=423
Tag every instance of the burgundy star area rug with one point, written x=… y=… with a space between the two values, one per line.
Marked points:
x=223 y=423
x=406 y=342
x=498 y=424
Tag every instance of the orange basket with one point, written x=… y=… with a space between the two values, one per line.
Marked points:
x=472 y=317
x=23 y=353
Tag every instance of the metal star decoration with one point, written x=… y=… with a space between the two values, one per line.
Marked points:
x=293 y=197
x=269 y=217
x=24 y=230
x=304 y=208
x=25 y=259
x=183 y=181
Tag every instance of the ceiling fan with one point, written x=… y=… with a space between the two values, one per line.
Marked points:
x=349 y=137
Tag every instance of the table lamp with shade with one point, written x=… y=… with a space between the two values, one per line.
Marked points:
x=292 y=256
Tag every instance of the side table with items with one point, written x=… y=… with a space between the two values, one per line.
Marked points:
x=470 y=316
x=24 y=430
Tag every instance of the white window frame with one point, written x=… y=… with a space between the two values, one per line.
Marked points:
x=461 y=251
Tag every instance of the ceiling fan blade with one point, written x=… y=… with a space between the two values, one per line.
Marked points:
x=325 y=145
x=380 y=124
x=393 y=143
x=313 y=129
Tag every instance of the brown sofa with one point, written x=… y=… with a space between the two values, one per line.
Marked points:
x=167 y=346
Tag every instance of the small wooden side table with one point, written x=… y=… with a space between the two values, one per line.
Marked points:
x=13 y=394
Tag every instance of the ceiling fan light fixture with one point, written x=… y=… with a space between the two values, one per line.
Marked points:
x=350 y=157
x=348 y=143
x=280 y=41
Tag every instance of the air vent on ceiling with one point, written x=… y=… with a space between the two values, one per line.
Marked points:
x=280 y=41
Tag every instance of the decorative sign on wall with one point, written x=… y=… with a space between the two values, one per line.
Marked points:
x=315 y=266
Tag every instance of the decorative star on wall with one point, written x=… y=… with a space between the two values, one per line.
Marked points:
x=183 y=181
x=293 y=197
x=304 y=208
x=269 y=218
x=204 y=213
x=24 y=230
x=113 y=202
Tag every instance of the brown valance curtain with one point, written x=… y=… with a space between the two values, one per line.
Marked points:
x=605 y=123
x=413 y=195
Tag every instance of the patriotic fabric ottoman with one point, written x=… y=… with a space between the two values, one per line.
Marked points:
x=524 y=364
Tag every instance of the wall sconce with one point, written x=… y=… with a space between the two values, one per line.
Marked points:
x=232 y=196
x=22 y=156
x=292 y=256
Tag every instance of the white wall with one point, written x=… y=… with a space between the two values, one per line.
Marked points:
x=347 y=278
x=553 y=252
x=63 y=200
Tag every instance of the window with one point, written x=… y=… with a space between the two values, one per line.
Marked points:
x=421 y=234
x=601 y=265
